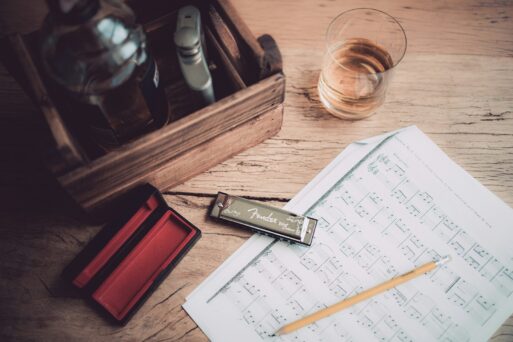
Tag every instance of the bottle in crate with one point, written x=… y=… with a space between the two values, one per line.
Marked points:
x=97 y=54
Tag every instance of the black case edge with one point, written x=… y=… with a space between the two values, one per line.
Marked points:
x=103 y=237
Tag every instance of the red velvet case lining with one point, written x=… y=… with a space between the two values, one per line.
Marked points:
x=137 y=272
x=116 y=242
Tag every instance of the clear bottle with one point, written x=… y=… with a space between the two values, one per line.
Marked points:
x=96 y=52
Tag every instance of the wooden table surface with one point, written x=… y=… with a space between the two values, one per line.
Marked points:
x=455 y=83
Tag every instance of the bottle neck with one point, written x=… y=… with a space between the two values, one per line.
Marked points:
x=73 y=12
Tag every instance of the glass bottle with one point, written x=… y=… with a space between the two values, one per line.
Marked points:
x=96 y=52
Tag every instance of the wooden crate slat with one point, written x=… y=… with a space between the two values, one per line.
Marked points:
x=220 y=148
x=230 y=45
x=193 y=162
x=233 y=72
x=242 y=29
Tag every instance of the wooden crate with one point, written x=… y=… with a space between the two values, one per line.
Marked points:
x=248 y=80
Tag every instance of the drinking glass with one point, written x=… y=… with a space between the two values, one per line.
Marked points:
x=363 y=47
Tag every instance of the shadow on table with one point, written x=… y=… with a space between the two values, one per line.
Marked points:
x=41 y=229
x=28 y=187
x=25 y=184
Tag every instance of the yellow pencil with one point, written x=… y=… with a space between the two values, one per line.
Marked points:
x=361 y=296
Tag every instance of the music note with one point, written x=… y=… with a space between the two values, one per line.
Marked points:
x=405 y=191
x=504 y=282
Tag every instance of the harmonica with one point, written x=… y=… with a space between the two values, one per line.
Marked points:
x=264 y=219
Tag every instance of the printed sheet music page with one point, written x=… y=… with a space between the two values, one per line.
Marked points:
x=384 y=206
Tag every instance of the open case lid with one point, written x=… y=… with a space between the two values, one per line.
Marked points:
x=131 y=256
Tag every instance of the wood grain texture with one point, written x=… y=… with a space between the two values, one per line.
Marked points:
x=454 y=83
x=221 y=30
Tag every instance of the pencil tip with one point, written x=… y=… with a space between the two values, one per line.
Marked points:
x=443 y=260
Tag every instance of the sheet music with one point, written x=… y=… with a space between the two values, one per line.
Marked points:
x=385 y=206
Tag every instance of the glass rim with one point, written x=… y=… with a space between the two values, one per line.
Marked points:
x=332 y=22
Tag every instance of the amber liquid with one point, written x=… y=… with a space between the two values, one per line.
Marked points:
x=136 y=106
x=354 y=78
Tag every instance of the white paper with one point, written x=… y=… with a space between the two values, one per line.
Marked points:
x=385 y=206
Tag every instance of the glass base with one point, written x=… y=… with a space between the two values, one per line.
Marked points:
x=342 y=114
